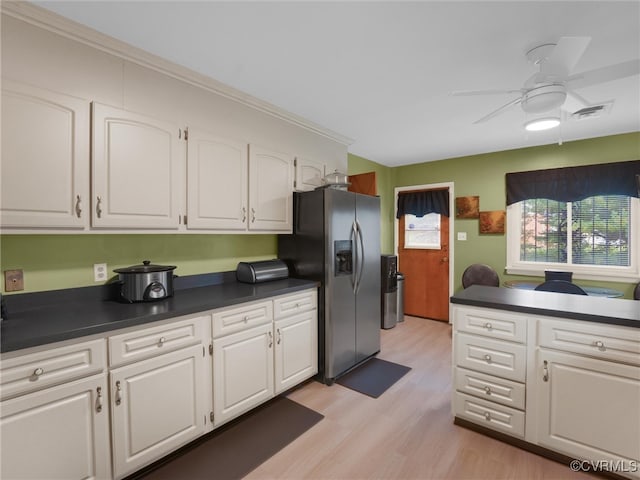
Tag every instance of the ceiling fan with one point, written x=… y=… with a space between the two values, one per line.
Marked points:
x=548 y=89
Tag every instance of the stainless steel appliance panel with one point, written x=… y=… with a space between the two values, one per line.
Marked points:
x=340 y=301
x=368 y=286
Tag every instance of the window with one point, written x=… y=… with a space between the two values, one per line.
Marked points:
x=595 y=238
x=422 y=232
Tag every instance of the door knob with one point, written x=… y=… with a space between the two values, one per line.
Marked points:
x=444 y=259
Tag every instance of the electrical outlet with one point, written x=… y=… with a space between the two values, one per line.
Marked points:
x=462 y=236
x=13 y=280
x=99 y=272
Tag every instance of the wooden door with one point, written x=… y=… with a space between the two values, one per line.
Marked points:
x=217 y=182
x=364 y=183
x=426 y=272
x=45 y=158
x=157 y=405
x=60 y=432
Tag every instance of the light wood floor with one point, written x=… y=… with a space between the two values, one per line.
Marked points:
x=408 y=432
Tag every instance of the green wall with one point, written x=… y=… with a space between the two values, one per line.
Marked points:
x=51 y=262
x=484 y=175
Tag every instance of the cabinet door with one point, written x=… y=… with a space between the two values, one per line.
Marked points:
x=136 y=163
x=157 y=405
x=296 y=352
x=242 y=372
x=217 y=182
x=588 y=408
x=309 y=174
x=60 y=432
x=270 y=190
x=45 y=159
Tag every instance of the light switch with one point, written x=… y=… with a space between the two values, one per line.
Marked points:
x=462 y=236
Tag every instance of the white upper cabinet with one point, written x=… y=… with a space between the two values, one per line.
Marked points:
x=45 y=159
x=270 y=190
x=309 y=174
x=217 y=182
x=136 y=170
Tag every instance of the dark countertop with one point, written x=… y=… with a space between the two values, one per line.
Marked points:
x=64 y=314
x=615 y=311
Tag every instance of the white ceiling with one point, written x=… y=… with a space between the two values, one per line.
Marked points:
x=381 y=72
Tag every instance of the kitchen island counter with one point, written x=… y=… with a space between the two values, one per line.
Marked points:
x=613 y=311
x=46 y=317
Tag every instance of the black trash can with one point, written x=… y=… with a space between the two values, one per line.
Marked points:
x=400 y=297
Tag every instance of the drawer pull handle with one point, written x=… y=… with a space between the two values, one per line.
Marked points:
x=487 y=357
x=488 y=326
x=99 y=207
x=99 y=399
x=253 y=215
x=244 y=214
x=270 y=339
x=599 y=344
x=487 y=390
x=279 y=336
x=487 y=416
x=78 y=209
x=118 y=393
x=545 y=371
x=38 y=371
x=161 y=341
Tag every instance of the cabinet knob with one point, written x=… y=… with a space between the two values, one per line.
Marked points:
x=118 y=393
x=246 y=318
x=78 y=209
x=38 y=371
x=488 y=326
x=487 y=416
x=599 y=344
x=161 y=341
x=487 y=357
x=99 y=399
x=487 y=390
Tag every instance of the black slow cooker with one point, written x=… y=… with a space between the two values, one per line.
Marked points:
x=146 y=282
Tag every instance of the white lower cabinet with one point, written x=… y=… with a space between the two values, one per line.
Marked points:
x=157 y=405
x=569 y=386
x=61 y=432
x=296 y=352
x=242 y=372
x=588 y=408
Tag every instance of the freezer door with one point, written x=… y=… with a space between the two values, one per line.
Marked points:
x=340 y=305
x=368 y=276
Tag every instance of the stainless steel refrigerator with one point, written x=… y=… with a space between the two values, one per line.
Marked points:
x=336 y=241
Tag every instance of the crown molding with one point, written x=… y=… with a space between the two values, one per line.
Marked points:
x=60 y=25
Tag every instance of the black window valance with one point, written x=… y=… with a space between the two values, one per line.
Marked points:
x=423 y=202
x=571 y=184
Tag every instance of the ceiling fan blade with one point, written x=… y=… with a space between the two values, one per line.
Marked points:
x=565 y=55
x=482 y=92
x=499 y=110
x=604 y=74
x=575 y=102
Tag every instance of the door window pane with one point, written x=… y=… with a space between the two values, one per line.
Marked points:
x=422 y=232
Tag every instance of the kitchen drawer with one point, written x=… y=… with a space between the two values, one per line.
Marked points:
x=238 y=318
x=491 y=323
x=495 y=357
x=488 y=387
x=35 y=371
x=608 y=342
x=489 y=414
x=152 y=341
x=296 y=303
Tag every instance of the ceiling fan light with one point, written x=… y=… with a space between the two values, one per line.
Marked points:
x=541 y=124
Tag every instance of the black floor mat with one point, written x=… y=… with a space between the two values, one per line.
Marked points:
x=373 y=377
x=238 y=448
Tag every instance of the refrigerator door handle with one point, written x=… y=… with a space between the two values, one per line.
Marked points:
x=360 y=256
x=354 y=268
